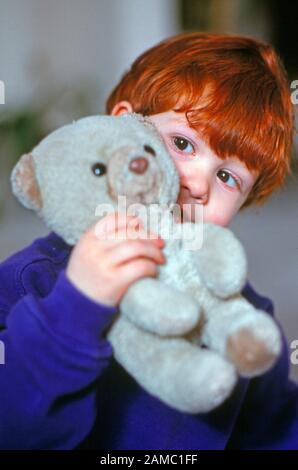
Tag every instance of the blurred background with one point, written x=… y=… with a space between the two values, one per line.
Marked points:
x=59 y=60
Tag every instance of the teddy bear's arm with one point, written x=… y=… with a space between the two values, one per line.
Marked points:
x=156 y=307
x=221 y=261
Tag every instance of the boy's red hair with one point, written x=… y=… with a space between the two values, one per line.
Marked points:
x=233 y=90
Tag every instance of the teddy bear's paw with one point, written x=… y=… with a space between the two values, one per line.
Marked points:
x=255 y=350
x=212 y=382
x=222 y=261
x=221 y=381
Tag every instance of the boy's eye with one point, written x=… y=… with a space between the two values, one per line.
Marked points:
x=183 y=144
x=228 y=179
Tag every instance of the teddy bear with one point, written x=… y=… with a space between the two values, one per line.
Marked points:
x=188 y=334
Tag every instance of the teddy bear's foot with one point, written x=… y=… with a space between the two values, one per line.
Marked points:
x=158 y=308
x=253 y=352
x=180 y=374
x=248 y=337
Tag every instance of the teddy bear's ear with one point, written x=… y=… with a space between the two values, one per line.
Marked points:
x=24 y=184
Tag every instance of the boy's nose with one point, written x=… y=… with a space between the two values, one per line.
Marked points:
x=138 y=165
x=195 y=182
x=197 y=189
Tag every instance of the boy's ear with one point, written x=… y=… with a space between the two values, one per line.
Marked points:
x=121 y=107
x=24 y=183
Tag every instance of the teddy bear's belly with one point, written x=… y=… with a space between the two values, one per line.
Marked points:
x=180 y=274
x=181 y=270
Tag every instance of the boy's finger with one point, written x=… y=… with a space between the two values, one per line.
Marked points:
x=137 y=269
x=127 y=251
x=125 y=234
x=113 y=222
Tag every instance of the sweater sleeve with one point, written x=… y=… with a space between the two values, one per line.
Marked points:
x=55 y=349
x=269 y=416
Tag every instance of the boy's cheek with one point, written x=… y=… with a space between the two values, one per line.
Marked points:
x=219 y=215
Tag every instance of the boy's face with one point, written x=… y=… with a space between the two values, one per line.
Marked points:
x=221 y=186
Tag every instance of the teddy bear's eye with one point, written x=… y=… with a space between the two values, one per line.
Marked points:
x=99 y=169
x=150 y=150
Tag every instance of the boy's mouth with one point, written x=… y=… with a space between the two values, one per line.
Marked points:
x=185 y=213
x=188 y=206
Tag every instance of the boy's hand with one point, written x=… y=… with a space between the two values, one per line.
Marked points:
x=105 y=261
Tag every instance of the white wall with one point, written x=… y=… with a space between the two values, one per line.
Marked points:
x=43 y=43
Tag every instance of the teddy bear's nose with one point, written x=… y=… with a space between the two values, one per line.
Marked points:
x=138 y=165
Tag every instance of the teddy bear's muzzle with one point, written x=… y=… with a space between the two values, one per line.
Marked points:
x=135 y=175
x=138 y=165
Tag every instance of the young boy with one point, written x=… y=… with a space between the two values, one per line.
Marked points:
x=222 y=105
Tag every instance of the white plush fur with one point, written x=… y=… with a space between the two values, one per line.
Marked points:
x=163 y=322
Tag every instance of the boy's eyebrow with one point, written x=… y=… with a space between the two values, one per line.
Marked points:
x=240 y=166
x=194 y=134
x=233 y=160
x=181 y=122
x=187 y=127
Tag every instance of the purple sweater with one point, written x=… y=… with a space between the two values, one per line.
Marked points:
x=60 y=387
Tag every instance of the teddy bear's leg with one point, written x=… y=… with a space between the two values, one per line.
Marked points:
x=246 y=336
x=158 y=308
x=180 y=374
